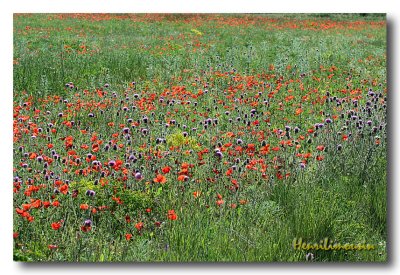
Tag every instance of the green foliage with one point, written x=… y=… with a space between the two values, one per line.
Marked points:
x=135 y=200
x=178 y=140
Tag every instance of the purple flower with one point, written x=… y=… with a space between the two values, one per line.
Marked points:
x=219 y=154
x=138 y=176
x=90 y=193
x=126 y=130
x=328 y=120
x=87 y=223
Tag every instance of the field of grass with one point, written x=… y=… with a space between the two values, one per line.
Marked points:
x=199 y=138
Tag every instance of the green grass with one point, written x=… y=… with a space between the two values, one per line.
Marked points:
x=342 y=197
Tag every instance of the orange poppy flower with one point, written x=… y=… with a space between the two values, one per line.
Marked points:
x=160 y=179
x=36 y=203
x=265 y=149
x=298 y=111
x=139 y=226
x=128 y=236
x=84 y=206
x=64 y=189
x=182 y=178
x=69 y=141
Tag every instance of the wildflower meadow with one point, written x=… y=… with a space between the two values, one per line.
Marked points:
x=199 y=138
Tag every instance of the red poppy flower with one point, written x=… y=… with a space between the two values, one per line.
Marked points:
x=56 y=225
x=86 y=228
x=26 y=206
x=319 y=158
x=166 y=169
x=172 y=215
